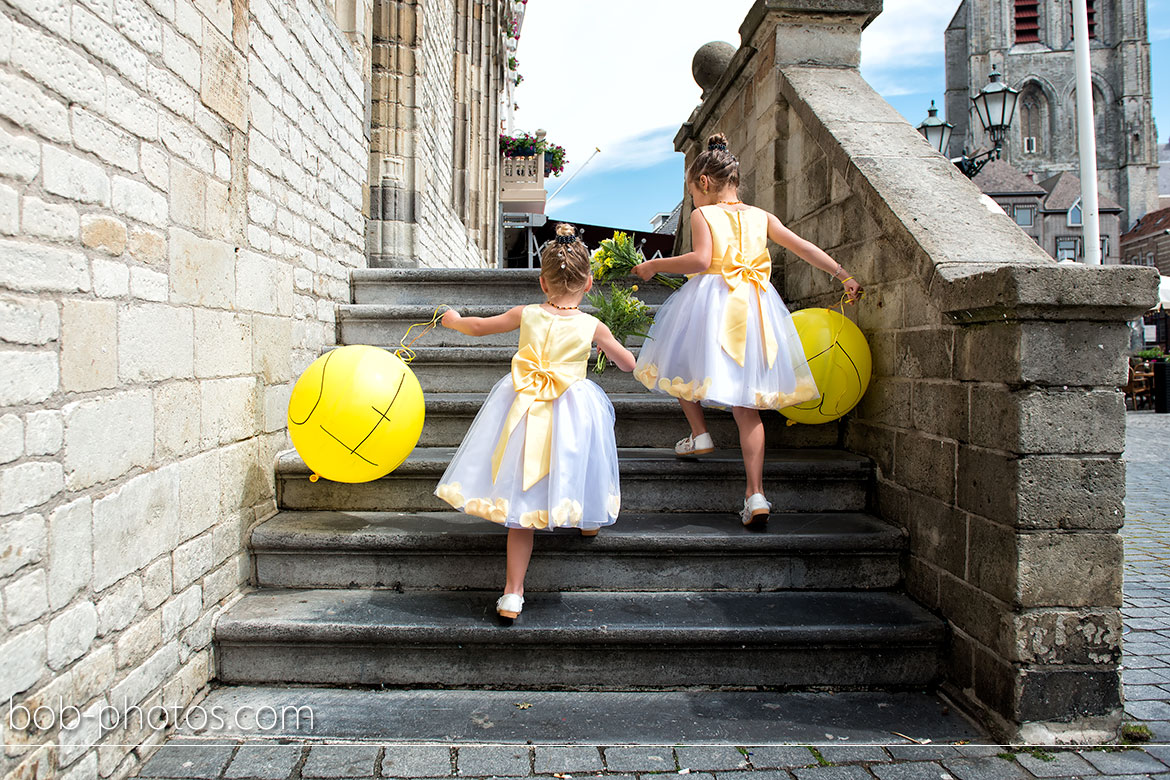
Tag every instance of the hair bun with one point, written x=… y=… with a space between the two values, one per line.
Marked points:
x=717 y=143
x=566 y=233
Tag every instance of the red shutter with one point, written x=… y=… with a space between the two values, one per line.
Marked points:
x=1027 y=21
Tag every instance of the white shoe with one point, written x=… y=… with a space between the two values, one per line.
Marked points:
x=694 y=445
x=755 y=511
x=509 y=605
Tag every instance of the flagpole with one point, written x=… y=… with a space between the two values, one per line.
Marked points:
x=596 y=151
x=1086 y=135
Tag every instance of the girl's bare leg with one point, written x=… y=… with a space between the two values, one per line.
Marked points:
x=751 y=441
x=694 y=414
x=519 y=551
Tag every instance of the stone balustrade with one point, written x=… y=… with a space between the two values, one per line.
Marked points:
x=994 y=413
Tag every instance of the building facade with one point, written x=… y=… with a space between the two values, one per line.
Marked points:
x=434 y=172
x=1148 y=242
x=185 y=187
x=1030 y=42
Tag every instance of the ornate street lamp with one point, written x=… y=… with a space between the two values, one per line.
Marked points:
x=996 y=106
x=937 y=132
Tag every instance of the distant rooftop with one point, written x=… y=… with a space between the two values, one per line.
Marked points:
x=1154 y=222
x=667 y=222
x=1000 y=177
x=1064 y=189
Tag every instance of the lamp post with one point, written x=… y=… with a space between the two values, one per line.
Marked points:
x=937 y=132
x=996 y=106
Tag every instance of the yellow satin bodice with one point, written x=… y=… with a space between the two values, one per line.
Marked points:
x=739 y=253
x=743 y=232
x=553 y=354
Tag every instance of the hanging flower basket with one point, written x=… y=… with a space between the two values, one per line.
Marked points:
x=528 y=145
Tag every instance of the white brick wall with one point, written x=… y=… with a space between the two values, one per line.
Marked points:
x=153 y=315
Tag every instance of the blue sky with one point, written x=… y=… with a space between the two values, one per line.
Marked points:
x=631 y=103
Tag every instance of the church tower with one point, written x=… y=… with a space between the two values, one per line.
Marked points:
x=1030 y=41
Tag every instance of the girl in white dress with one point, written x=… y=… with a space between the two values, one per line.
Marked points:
x=541 y=453
x=725 y=338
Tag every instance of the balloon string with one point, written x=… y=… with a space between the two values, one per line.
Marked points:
x=405 y=350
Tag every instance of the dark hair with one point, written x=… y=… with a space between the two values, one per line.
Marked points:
x=717 y=164
x=564 y=262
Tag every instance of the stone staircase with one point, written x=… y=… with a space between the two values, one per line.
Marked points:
x=374 y=584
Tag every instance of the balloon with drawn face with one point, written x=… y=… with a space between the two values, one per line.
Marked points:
x=839 y=358
x=355 y=413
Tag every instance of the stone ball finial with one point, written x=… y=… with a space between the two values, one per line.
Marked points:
x=709 y=63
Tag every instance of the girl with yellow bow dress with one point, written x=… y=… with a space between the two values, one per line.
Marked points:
x=725 y=338
x=541 y=452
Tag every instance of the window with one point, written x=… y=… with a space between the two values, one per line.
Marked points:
x=1027 y=21
x=1104 y=247
x=1033 y=107
x=1068 y=248
x=1075 y=218
x=1150 y=259
x=1025 y=215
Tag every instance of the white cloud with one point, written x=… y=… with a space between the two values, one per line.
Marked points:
x=908 y=33
x=599 y=73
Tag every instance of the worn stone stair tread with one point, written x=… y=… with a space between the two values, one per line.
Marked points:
x=706 y=717
x=477 y=352
x=579 y=619
x=463 y=286
x=422 y=312
x=711 y=533
x=451 y=275
x=630 y=403
x=809 y=463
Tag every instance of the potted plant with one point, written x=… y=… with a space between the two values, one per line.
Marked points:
x=528 y=145
x=1152 y=354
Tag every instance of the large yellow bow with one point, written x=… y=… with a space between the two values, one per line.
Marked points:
x=744 y=276
x=538 y=382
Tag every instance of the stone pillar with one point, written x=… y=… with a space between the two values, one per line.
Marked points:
x=993 y=415
x=391 y=239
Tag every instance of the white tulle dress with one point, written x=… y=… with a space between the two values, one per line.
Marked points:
x=725 y=338
x=541 y=451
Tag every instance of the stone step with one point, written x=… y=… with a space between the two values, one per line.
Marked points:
x=556 y=718
x=452 y=551
x=386 y=324
x=461 y=287
x=609 y=641
x=476 y=369
x=643 y=420
x=653 y=480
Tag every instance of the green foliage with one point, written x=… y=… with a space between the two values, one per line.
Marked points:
x=623 y=313
x=817 y=755
x=616 y=256
x=1136 y=732
x=1150 y=353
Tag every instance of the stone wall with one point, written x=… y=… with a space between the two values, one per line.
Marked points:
x=993 y=415
x=434 y=165
x=181 y=188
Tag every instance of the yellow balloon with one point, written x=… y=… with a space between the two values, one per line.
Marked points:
x=355 y=414
x=839 y=358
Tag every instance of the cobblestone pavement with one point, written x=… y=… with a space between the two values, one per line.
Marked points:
x=1146 y=610
x=1146 y=678
x=836 y=762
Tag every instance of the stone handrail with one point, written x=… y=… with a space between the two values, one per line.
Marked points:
x=994 y=415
